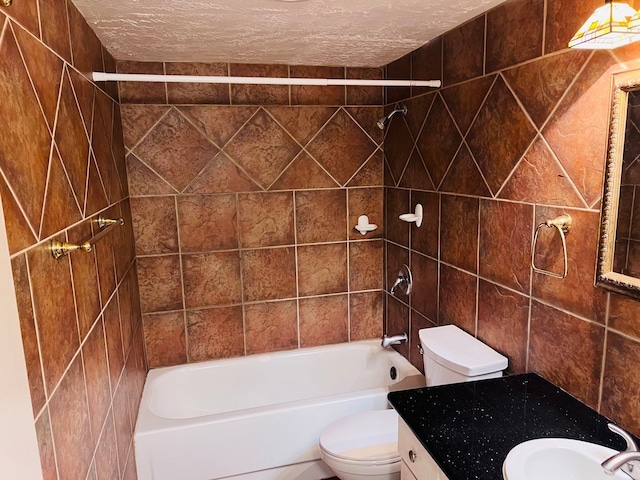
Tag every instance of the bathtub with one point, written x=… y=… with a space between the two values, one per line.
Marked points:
x=259 y=417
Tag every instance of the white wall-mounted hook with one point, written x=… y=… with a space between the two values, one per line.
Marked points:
x=413 y=217
x=364 y=226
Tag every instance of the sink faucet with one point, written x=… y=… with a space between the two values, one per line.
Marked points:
x=623 y=460
x=394 y=340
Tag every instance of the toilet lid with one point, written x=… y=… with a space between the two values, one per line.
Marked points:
x=366 y=436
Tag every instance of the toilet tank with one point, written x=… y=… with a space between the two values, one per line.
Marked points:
x=451 y=355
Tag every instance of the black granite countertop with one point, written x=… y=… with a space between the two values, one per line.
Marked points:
x=468 y=428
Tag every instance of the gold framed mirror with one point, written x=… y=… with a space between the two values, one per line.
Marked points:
x=618 y=266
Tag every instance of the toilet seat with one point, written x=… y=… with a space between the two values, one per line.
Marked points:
x=368 y=437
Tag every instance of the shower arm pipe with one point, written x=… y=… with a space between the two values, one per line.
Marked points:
x=137 y=77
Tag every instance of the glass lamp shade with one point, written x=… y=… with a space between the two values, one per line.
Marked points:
x=606 y=28
x=634 y=23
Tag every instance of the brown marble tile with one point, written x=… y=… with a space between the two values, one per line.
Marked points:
x=266 y=219
x=396 y=204
x=143 y=181
x=324 y=320
x=141 y=92
x=539 y=85
x=215 y=333
x=514 y=33
x=315 y=95
x=417 y=111
x=365 y=265
x=85 y=93
x=27 y=179
x=321 y=216
x=564 y=18
x=500 y=135
x=45 y=446
x=19 y=233
x=164 y=337
x=29 y=334
x=439 y=141
x=583 y=117
x=459 y=232
x=398 y=146
x=567 y=351
x=322 y=269
x=424 y=295
x=138 y=120
x=55 y=314
x=464 y=100
x=124 y=241
x=207 y=222
x=503 y=323
x=620 y=382
x=25 y=13
x=212 y=279
x=426 y=64
x=176 y=150
x=464 y=176
x=85 y=281
x=371 y=173
x=103 y=178
x=86 y=49
x=130 y=311
x=218 y=123
x=505 y=243
x=302 y=123
x=70 y=424
x=576 y=293
x=160 y=283
x=262 y=148
x=304 y=172
x=106 y=457
x=367 y=118
x=130 y=467
x=259 y=94
x=399 y=69
x=623 y=314
x=366 y=315
x=341 y=147
x=222 y=175
x=415 y=174
x=96 y=370
x=358 y=95
x=110 y=65
x=60 y=207
x=105 y=262
x=463 y=52
x=113 y=336
x=424 y=239
x=269 y=274
x=539 y=178
x=122 y=421
x=45 y=70
x=365 y=201
x=457 y=301
x=271 y=326
x=396 y=257
x=197 y=92
x=155 y=225
x=398 y=322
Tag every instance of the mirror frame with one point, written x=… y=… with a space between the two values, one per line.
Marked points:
x=622 y=84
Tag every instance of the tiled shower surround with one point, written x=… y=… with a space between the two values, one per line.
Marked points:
x=62 y=164
x=244 y=202
x=517 y=135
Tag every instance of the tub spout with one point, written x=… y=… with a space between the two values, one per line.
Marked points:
x=394 y=340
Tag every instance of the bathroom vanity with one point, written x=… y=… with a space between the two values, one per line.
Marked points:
x=465 y=431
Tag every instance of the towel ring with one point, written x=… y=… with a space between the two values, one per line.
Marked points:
x=563 y=223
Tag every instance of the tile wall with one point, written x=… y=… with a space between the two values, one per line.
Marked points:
x=244 y=202
x=61 y=165
x=517 y=135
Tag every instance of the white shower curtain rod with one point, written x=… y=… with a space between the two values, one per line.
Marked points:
x=135 y=77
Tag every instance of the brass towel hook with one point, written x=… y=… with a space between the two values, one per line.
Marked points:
x=563 y=223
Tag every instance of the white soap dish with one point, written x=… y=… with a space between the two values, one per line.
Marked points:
x=364 y=226
x=413 y=217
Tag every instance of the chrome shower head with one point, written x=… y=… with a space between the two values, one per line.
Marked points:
x=384 y=121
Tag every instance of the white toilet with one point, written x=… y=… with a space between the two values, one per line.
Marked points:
x=365 y=445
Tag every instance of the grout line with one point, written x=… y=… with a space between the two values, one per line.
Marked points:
x=604 y=352
x=295 y=251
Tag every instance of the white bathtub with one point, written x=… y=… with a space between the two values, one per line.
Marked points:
x=259 y=417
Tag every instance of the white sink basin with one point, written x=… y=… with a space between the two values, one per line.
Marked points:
x=558 y=459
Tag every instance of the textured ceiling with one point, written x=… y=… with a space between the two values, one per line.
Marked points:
x=312 y=32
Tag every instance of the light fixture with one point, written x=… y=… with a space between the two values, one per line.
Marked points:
x=606 y=28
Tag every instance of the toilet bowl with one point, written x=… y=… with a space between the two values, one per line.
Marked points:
x=364 y=446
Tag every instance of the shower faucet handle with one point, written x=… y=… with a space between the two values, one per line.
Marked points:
x=403 y=281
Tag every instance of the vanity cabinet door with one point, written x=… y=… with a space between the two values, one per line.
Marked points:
x=415 y=457
x=405 y=473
